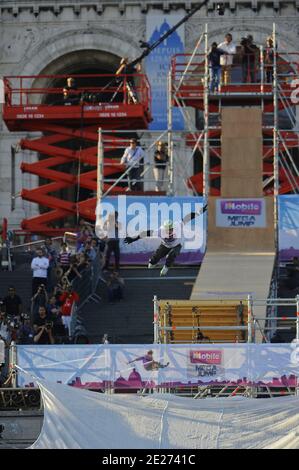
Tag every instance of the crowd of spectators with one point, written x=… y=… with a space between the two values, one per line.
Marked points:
x=53 y=298
x=221 y=58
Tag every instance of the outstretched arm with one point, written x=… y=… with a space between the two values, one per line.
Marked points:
x=192 y=215
x=147 y=233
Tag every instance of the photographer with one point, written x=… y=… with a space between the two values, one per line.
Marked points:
x=39 y=299
x=68 y=300
x=249 y=55
x=43 y=328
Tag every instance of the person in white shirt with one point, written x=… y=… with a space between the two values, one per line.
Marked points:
x=226 y=59
x=39 y=266
x=133 y=158
x=172 y=239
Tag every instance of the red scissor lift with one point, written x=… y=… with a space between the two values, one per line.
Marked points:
x=191 y=91
x=69 y=133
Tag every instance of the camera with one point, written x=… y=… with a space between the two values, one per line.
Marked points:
x=49 y=325
x=220 y=9
x=15 y=324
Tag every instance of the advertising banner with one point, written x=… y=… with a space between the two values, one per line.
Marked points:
x=288 y=227
x=240 y=213
x=138 y=214
x=149 y=366
x=158 y=64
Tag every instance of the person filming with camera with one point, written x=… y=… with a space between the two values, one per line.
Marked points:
x=43 y=328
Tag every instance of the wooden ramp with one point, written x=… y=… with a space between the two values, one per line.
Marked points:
x=195 y=315
x=239 y=260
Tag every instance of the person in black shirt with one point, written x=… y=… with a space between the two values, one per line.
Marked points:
x=249 y=53
x=214 y=64
x=43 y=328
x=12 y=303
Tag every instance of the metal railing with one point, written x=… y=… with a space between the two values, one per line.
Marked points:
x=253 y=321
x=26 y=91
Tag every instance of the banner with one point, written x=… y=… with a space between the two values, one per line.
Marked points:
x=148 y=366
x=288 y=207
x=138 y=214
x=158 y=64
x=240 y=213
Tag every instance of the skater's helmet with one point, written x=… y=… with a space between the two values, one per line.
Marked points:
x=168 y=225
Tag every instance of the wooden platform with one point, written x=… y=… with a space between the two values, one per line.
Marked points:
x=198 y=314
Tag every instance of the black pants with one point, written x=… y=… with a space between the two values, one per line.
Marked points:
x=170 y=253
x=134 y=178
x=112 y=247
x=248 y=72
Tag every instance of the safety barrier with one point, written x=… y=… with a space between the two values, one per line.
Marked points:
x=86 y=288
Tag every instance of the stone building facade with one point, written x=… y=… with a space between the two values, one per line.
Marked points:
x=67 y=36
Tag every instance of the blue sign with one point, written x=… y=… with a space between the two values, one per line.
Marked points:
x=158 y=65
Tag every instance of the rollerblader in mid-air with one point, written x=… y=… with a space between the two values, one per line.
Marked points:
x=171 y=236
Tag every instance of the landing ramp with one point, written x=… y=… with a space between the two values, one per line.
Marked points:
x=239 y=259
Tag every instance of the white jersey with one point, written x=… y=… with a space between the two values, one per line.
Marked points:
x=132 y=157
x=176 y=238
x=229 y=49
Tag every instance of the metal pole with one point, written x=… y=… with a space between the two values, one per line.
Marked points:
x=169 y=133
x=275 y=139
x=206 y=181
x=249 y=320
x=262 y=70
x=12 y=364
x=156 y=320
x=297 y=318
x=100 y=169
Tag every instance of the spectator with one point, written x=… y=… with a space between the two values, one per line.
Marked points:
x=39 y=266
x=73 y=271
x=40 y=299
x=88 y=250
x=226 y=59
x=70 y=94
x=128 y=71
x=26 y=332
x=84 y=234
x=249 y=56
x=12 y=303
x=133 y=158
x=214 y=64
x=160 y=163
x=5 y=332
x=111 y=228
x=269 y=59
x=105 y=339
x=51 y=254
x=64 y=257
x=53 y=307
x=68 y=300
x=115 y=287
x=43 y=328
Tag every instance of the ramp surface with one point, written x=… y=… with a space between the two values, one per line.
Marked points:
x=239 y=260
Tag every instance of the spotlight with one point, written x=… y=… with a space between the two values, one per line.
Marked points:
x=220 y=9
